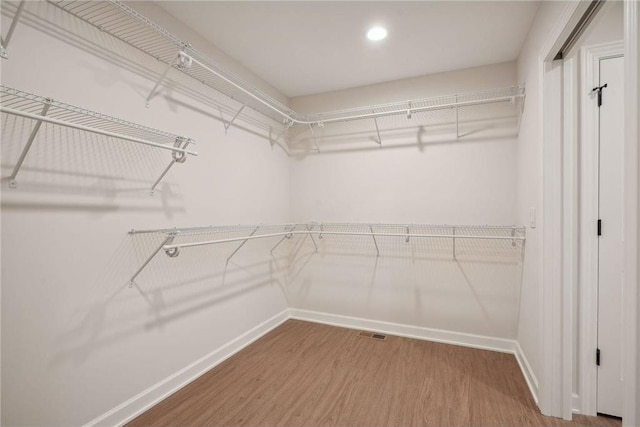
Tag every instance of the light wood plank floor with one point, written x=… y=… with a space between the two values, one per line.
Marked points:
x=309 y=374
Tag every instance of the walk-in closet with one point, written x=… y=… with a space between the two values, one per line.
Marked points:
x=352 y=213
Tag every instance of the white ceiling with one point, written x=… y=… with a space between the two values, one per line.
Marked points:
x=309 y=47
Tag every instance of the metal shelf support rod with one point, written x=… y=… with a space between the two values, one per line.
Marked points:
x=165 y=242
x=374 y=241
x=375 y=121
x=176 y=159
x=454 y=242
x=242 y=244
x=309 y=233
x=286 y=236
x=161 y=78
x=313 y=136
x=94 y=130
x=457 y=119
x=4 y=44
x=27 y=147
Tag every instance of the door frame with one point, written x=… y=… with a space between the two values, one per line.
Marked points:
x=631 y=349
x=590 y=57
x=557 y=184
x=558 y=200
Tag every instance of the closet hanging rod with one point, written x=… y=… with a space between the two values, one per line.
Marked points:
x=94 y=130
x=336 y=233
x=238 y=227
x=405 y=111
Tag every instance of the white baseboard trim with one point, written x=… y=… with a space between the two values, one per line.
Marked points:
x=143 y=401
x=135 y=406
x=437 y=335
x=525 y=367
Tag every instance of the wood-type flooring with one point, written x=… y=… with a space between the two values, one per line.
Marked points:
x=309 y=374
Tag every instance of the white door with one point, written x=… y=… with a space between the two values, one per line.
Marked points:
x=611 y=197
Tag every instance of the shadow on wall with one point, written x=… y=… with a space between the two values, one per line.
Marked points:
x=74 y=162
x=473 y=287
x=56 y=23
x=167 y=290
x=274 y=135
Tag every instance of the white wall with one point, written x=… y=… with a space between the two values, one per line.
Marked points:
x=76 y=340
x=434 y=180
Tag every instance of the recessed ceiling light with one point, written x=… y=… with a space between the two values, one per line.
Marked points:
x=377 y=33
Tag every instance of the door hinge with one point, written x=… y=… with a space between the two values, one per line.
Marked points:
x=599 y=227
x=599 y=90
x=597 y=357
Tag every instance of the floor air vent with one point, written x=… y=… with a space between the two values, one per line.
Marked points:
x=372 y=335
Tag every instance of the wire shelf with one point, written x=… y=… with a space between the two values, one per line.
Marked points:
x=43 y=109
x=31 y=103
x=176 y=239
x=129 y=26
x=506 y=94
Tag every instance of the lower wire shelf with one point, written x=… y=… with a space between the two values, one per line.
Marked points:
x=281 y=232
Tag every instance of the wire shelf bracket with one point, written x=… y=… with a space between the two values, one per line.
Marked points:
x=172 y=253
x=4 y=43
x=375 y=242
x=161 y=78
x=379 y=140
x=23 y=104
x=27 y=147
x=241 y=245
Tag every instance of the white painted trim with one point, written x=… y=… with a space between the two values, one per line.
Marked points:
x=553 y=391
x=527 y=372
x=144 y=400
x=631 y=352
x=570 y=226
x=402 y=330
x=576 y=404
x=590 y=57
x=564 y=26
x=553 y=338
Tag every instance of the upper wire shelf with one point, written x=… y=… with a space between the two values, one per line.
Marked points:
x=129 y=26
x=41 y=109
